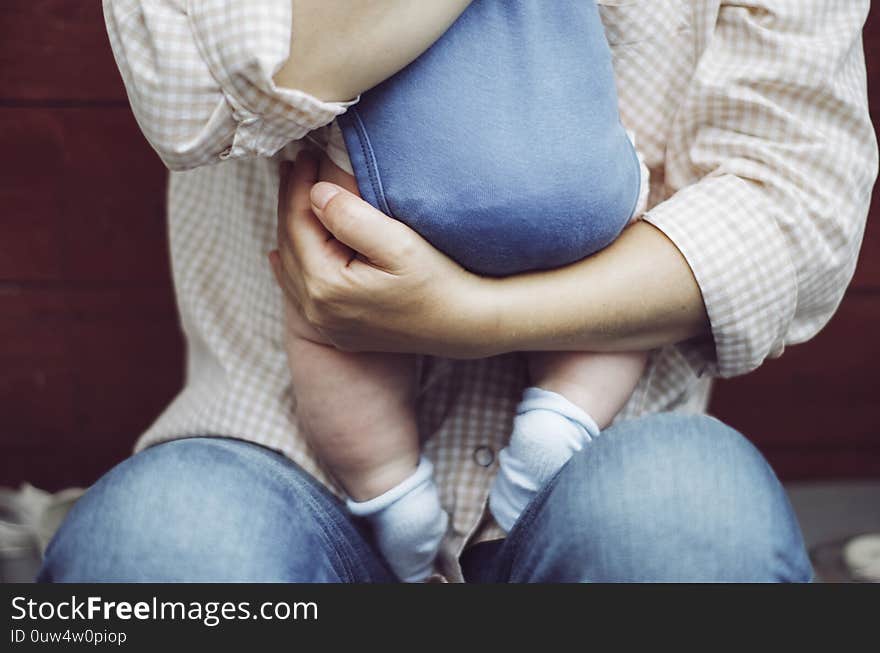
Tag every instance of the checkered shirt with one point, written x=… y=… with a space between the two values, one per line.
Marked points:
x=752 y=117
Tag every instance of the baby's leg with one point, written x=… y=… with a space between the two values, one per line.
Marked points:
x=597 y=383
x=357 y=411
x=573 y=396
x=356 y=408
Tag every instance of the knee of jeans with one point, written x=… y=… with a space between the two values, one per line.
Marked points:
x=687 y=495
x=186 y=511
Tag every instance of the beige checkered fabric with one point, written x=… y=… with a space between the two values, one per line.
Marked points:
x=751 y=115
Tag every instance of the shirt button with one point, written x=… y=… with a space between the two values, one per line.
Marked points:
x=484 y=456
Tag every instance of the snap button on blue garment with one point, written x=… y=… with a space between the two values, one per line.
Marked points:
x=502 y=144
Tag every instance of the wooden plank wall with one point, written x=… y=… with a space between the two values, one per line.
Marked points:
x=90 y=350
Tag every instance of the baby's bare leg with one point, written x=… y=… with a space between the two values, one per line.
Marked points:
x=597 y=383
x=356 y=408
x=573 y=396
x=358 y=413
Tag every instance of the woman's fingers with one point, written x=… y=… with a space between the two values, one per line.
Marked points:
x=278 y=272
x=285 y=196
x=303 y=242
x=296 y=324
x=380 y=239
x=285 y=283
x=295 y=230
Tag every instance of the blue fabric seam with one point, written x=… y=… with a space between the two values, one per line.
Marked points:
x=635 y=203
x=370 y=161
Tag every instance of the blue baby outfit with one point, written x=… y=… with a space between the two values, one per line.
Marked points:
x=502 y=144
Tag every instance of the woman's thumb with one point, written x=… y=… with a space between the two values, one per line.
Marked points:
x=354 y=222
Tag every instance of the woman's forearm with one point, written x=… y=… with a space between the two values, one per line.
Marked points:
x=340 y=48
x=400 y=294
x=637 y=294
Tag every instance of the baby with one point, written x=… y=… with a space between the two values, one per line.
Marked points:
x=502 y=146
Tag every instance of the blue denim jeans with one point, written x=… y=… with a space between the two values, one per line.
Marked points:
x=661 y=498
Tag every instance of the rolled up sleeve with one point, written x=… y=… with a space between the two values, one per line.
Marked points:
x=771 y=163
x=199 y=77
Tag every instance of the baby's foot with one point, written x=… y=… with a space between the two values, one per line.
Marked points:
x=408 y=523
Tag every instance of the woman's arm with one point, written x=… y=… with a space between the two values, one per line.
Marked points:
x=229 y=79
x=637 y=294
x=401 y=294
x=339 y=48
x=759 y=239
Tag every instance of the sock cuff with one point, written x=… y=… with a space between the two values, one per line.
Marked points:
x=423 y=474
x=535 y=398
x=512 y=490
x=408 y=523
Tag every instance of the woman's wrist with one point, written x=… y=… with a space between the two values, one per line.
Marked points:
x=477 y=326
x=498 y=315
x=637 y=294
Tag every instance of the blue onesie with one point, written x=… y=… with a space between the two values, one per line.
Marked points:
x=502 y=144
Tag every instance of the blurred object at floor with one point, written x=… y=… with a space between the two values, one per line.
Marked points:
x=29 y=518
x=841 y=525
x=853 y=560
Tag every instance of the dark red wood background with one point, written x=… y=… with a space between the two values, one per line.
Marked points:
x=90 y=349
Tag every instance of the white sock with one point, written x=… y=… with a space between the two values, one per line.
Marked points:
x=408 y=523
x=547 y=430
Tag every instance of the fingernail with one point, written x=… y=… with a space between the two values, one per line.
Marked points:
x=322 y=193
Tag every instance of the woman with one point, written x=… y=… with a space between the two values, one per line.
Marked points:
x=756 y=216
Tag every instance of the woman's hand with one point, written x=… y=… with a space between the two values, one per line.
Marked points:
x=366 y=282
x=363 y=281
